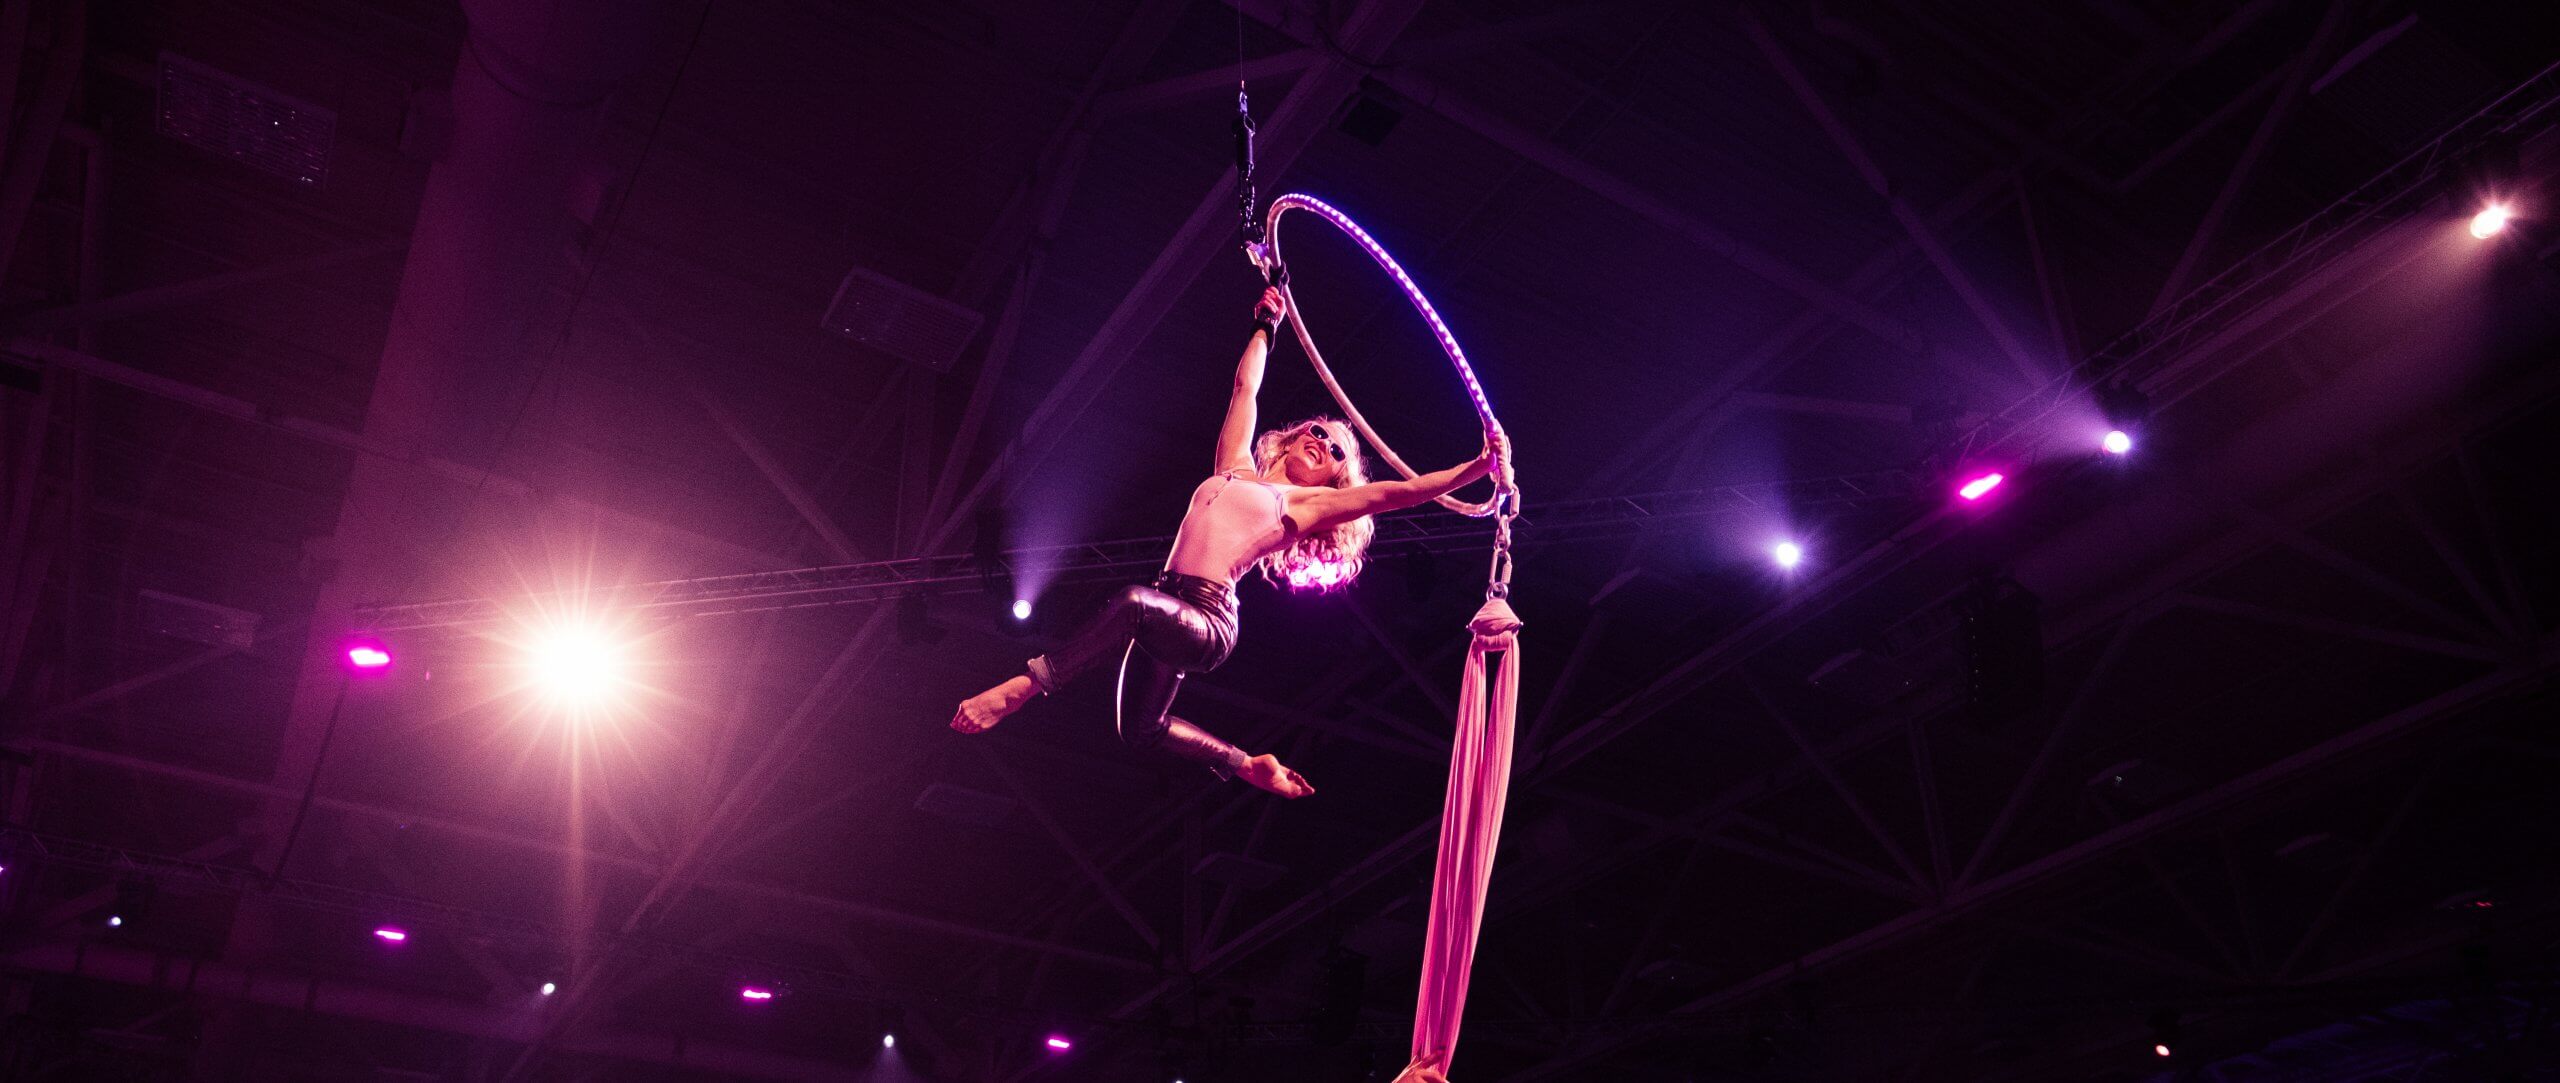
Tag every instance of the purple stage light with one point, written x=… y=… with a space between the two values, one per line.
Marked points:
x=391 y=935
x=753 y=993
x=1788 y=554
x=2491 y=219
x=1022 y=609
x=1976 y=488
x=2116 y=442
x=549 y=988
x=1059 y=1045
x=115 y=921
x=888 y=1041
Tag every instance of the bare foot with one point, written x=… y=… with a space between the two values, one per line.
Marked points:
x=981 y=712
x=1265 y=772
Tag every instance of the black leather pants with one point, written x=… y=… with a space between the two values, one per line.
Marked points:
x=1183 y=624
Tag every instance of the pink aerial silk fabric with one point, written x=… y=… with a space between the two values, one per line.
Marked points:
x=1470 y=827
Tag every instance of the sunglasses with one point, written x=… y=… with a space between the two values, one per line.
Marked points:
x=1317 y=430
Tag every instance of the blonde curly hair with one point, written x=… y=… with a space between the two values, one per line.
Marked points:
x=1329 y=560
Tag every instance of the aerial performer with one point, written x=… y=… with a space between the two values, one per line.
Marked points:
x=1296 y=503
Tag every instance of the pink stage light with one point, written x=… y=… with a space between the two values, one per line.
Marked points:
x=1022 y=609
x=391 y=935
x=2160 y=1049
x=367 y=655
x=2490 y=221
x=1320 y=575
x=1788 y=554
x=1059 y=1045
x=2117 y=442
x=753 y=993
x=1976 y=488
x=549 y=988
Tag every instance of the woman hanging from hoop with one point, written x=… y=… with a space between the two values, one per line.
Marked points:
x=1295 y=502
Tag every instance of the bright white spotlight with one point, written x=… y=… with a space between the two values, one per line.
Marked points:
x=2160 y=1049
x=2117 y=442
x=578 y=667
x=2490 y=220
x=1788 y=554
x=1977 y=487
x=1022 y=609
x=549 y=988
x=390 y=934
x=888 y=1041
x=115 y=921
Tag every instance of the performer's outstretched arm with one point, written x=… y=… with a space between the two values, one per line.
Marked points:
x=1235 y=438
x=1324 y=509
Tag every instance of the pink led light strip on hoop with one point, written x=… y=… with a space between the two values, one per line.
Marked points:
x=1505 y=501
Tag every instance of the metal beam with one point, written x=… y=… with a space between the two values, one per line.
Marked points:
x=2354 y=878
x=1819 y=406
x=2059 y=321
x=798 y=496
x=31 y=145
x=462 y=476
x=1839 y=786
x=2391 y=637
x=1913 y=222
x=1074 y=850
x=2063 y=727
x=2297 y=76
x=153 y=299
x=2510 y=623
x=1409 y=532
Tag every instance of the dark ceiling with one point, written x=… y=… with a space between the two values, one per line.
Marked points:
x=529 y=304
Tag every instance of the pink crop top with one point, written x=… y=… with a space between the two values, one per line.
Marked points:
x=1234 y=520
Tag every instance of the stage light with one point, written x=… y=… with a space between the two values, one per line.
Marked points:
x=391 y=935
x=2490 y=220
x=367 y=655
x=1788 y=554
x=1022 y=609
x=1976 y=488
x=888 y=1041
x=1059 y=1045
x=577 y=666
x=549 y=988
x=754 y=993
x=2164 y=1031
x=2116 y=442
x=115 y=921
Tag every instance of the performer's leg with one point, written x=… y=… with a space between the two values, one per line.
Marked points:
x=1147 y=688
x=1171 y=629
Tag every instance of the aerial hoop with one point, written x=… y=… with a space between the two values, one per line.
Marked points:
x=1505 y=501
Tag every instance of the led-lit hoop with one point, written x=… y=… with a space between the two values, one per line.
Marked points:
x=1503 y=482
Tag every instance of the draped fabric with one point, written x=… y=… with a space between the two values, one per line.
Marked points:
x=1470 y=826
